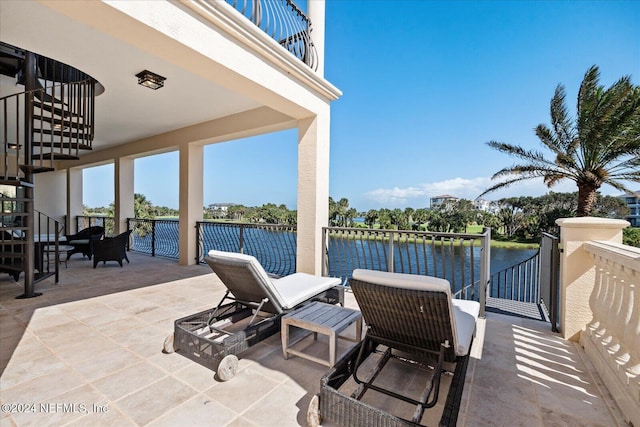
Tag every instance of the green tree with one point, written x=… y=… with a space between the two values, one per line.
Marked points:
x=143 y=208
x=371 y=217
x=601 y=147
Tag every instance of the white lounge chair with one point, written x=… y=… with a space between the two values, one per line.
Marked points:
x=249 y=312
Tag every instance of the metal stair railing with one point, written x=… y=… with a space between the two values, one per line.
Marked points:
x=61 y=123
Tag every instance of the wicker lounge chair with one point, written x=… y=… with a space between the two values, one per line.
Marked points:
x=83 y=241
x=249 y=312
x=111 y=249
x=408 y=315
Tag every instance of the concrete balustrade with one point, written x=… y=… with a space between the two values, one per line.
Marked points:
x=600 y=279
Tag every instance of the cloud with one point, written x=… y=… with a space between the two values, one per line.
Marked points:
x=464 y=188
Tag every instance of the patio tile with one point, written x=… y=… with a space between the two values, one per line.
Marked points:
x=154 y=400
x=286 y=406
x=63 y=408
x=107 y=363
x=10 y=326
x=128 y=380
x=119 y=325
x=146 y=334
x=169 y=362
x=247 y=387
x=78 y=349
x=29 y=347
x=196 y=376
x=23 y=370
x=110 y=418
x=44 y=387
x=197 y=411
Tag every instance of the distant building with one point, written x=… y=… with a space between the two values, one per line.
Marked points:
x=633 y=201
x=221 y=206
x=445 y=199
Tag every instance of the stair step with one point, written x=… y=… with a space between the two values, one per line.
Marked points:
x=63 y=133
x=11 y=267
x=58 y=122
x=57 y=156
x=53 y=109
x=35 y=169
x=16 y=182
x=64 y=145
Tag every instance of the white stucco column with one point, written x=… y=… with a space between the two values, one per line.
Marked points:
x=191 y=199
x=124 y=193
x=316 y=13
x=74 y=199
x=313 y=190
x=577 y=268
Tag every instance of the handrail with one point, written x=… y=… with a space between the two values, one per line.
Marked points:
x=274 y=245
x=283 y=21
x=85 y=221
x=63 y=125
x=156 y=237
x=462 y=259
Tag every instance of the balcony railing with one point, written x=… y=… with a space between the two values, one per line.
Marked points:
x=283 y=21
x=612 y=338
x=462 y=259
x=273 y=245
x=85 y=221
x=156 y=237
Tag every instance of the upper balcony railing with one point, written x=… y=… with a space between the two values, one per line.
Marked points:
x=283 y=21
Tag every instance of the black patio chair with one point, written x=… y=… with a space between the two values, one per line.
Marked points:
x=83 y=241
x=111 y=249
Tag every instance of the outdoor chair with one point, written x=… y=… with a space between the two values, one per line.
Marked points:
x=11 y=249
x=250 y=311
x=413 y=320
x=83 y=241
x=111 y=249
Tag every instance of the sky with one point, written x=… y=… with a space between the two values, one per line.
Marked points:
x=425 y=85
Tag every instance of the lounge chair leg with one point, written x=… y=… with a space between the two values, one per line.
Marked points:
x=227 y=368
x=363 y=385
x=313 y=412
x=168 y=344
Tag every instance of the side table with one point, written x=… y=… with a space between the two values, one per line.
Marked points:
x=322 y=318
x=51 y=249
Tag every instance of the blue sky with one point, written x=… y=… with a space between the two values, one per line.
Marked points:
x=426 y=84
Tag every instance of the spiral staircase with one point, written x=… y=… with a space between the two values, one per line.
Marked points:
x=51 y=120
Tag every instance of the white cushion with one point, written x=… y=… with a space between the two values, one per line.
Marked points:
x=401 y=280
x=463 y=314
x=466 y=314
x=287 y=291
x=299 y=287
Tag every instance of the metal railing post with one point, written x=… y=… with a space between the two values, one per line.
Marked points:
x=153 y=237
x=198 y=242
x=485 y=267
x=129 y=240
x=241 y=240
x=325 y=251
x=390 y=261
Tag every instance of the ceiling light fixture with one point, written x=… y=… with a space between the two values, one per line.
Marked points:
x=151 y=80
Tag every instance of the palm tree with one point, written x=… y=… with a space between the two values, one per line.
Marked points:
x=601 y=147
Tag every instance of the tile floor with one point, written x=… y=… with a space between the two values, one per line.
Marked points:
x=88 y=352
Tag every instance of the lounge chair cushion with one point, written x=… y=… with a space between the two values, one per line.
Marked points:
x=296 y=288
x=463 y=314
x=284 y=293
x=466 y=314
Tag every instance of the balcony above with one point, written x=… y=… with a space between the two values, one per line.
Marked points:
x=285 y=23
